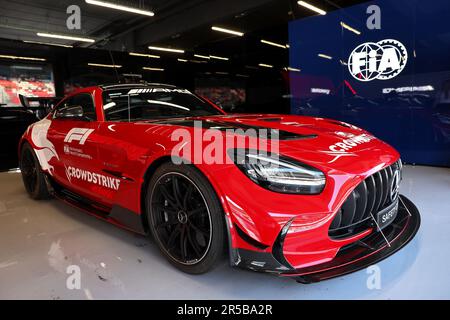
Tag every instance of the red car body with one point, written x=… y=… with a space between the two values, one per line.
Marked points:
x=287 y=234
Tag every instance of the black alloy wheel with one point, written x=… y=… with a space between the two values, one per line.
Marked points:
x=32 y=175
x=185 y=218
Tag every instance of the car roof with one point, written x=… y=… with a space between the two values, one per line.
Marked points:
x=136 y=85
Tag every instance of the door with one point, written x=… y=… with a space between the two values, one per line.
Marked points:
x=74 y=135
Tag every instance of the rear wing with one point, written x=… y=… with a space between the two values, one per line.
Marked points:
x=38 y=102
x=38 y=105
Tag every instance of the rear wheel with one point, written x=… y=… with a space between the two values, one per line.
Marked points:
x=32 y=175
x=185 y=218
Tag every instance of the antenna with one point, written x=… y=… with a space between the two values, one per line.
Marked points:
x=115 y=69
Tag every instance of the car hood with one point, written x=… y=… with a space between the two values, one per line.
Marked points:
x=326 y=143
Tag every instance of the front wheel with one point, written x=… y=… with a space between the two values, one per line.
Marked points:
x=185 y=218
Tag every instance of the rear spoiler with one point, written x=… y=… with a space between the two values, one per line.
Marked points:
x=38 y=102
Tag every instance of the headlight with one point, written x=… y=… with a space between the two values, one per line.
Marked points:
x=277 y=173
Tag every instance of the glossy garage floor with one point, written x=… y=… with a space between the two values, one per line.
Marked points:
x=39 y=240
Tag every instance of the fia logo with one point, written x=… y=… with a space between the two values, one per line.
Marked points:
x=78 y=134
x=383 y=60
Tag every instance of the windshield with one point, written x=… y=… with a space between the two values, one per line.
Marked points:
x=153 y=103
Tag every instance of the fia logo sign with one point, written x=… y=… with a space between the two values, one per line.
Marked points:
x=383 y=60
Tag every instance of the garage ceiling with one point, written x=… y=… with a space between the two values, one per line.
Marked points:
x=176 y=22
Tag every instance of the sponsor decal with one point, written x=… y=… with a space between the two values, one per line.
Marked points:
x=92 y=177
x=342 y=148
x=344 y=134
x=78 y=134
x=156 y=90
x=76 y=152
x=383 y=60
x=428 y=88
x=350 y=143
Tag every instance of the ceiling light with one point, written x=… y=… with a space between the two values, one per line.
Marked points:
x=325 y=56
x=265 y=65
x=292 y=69
x=153 y=69
x=64 y=37
x=222 y=73
x=21 y=58
x=346 y=26
x=144 y=55
x=311 y=7
x=202 y=56
x=182 y=60
x=166 y=49
x=120 y=7
x=242 y=75
x=198 y=61
x=252 y=67
x=274 y=44
x=219 y=58
x=233 y=32
x=104 y=65
x=48 y=44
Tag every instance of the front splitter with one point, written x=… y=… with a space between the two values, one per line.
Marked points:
x=369 y=250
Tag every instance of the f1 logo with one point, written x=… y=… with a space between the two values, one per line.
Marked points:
x=78 y=134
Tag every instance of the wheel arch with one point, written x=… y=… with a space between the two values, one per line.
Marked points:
x=146 y=179
x=148 y=174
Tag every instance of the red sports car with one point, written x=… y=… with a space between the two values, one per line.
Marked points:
x=312 y=199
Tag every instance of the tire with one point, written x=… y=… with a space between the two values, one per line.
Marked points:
x=188 y=224
x=32 y=175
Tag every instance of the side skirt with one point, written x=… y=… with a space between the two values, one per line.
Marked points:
x=117 y=215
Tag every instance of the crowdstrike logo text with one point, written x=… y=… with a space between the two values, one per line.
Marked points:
x=91 y=177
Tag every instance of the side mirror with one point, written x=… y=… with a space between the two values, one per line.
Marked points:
x=71 y=112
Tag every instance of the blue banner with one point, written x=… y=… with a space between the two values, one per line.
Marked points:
x=383 y=66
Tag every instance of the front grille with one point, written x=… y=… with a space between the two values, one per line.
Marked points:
x=370 y=196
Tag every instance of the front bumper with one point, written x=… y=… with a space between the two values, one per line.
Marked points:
x=359 y=255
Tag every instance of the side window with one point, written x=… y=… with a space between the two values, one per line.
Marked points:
x=79 y=107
